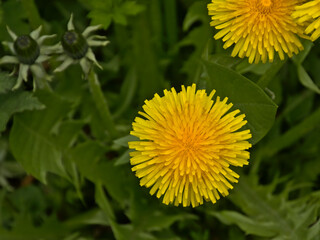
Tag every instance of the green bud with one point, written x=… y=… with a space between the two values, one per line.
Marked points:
x=27 y=49
x=74 y=44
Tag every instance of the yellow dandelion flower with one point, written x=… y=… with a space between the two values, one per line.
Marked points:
x=309 y=14
x=257 y=28
x=187 y=144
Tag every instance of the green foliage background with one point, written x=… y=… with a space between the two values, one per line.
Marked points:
x=63 y=175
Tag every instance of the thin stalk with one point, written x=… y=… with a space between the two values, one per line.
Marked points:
x=101 y=104
x=293 y=134
x=170 y=10
x=155 y=16
x=264 y=81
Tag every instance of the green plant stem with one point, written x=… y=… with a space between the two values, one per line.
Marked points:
x=150 y=78
x=156 y=23
x=264 y=81
x=170 y=10
x=293 y=134
x=101 y=104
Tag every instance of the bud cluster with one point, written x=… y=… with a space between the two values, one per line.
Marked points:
x=30 y=53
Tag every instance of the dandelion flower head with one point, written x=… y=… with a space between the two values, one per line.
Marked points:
x=187 y=143
x=309 y=14
x=257 y=28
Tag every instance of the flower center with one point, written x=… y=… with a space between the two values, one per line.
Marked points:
x=74 y=44
x=188 y=145
x=27 y=49
x=262 y=6
x=266 y=3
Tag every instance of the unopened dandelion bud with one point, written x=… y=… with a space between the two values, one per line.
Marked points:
x=74 y=44
x=27 y=49
x=29 y=53
x=76 y=48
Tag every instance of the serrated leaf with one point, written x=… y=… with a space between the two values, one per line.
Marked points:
x=248 y=225
x=103 y=12
x=259 y=109
x=14 y=102
x=119 y=18
x=100 y=17
x=31 y=139
x=131 y=8
x=285 y=219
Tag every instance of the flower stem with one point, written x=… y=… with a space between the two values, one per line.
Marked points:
x=264 y=81
x=170 y=10
x=101 y=104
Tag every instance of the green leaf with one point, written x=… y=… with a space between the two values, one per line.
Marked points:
x=146 y=213
x=124 y=232
x=87 y=156
x=25 y=230
x=32 y=11
x=15 y=21
x=14 y=102
x=298 y=59
x=270 y=73
x=314 y=231
x=124 y=158
x=99 y=17
x=131 y=8
x=293 y=134
x=103 y=202
x=6 y=82
x=248 y=225
x=70 y=130
x=97 y=4
x=268 y=214
x=123 y=141
x=224 y=60
x=128 y=91
x=121 y=232
x=28 y=205
x=1 y=15
x=197 y=12
x=91 y=217
x=305 y=79
x=119 y=18
x=103 y=12
x=200 y=39
x=259 y=109
x=31 y=139
x=260 y=68
x=150 y=78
